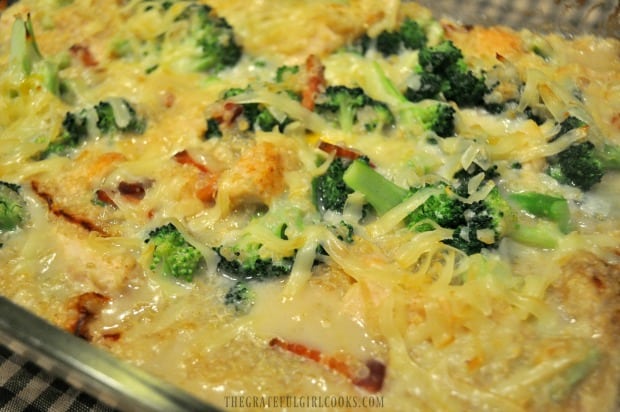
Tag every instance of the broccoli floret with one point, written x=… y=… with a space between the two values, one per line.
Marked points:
x=413 y=34
x=577 y=165
x=464 y=88
x=246 y=263
x=442 y=69
x=463 y=176
x=209 y=41
x=344 y=231
x=240 y=297
x=118 y=115
x=444 y=209
x=242 y=117
x=283 y=72
x=389 y=42
x=582 y=164
x=74 y=132
x=107 y=117
x=430 y=115
x=12 y=207
x=436 y=117
x=475 y=226
x=486 y=223
x=440 y=58
x=428 y=86
x=360 y=45
x=26 y=58
x=173 y=255
x=350 y=106
x=213 y=129
x=568 y=124
x=199 y=40
x=410 y=35
x=329 y=191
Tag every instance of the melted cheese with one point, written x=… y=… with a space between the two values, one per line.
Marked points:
x=455 y=332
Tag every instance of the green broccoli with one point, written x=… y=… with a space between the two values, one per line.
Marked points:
x=432 y=115
x=26 y=59
x=379 y=192
x=428 y=85
x=244 y=262
x=213 y=129
x=463 y=176
x=117 y=114
x=582 y=164
x=107 y=117
x=410 y=35
x=475 y=226
x=442 y=69
x=444 y=209
x=486 y=223
x=283 y=72
x=240 y=297
x=198 y=41
x=554 y=208
x=329 y=191
x=351 y=108
x=173 y=255
x=436 y=117
x=568 y=124
x=244 y=117
x=212 y=45
x=12 y=207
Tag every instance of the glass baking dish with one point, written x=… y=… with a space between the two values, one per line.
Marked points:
x=126 y=387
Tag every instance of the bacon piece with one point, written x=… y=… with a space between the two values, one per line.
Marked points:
x=372 y=382
x=184 y=158
x=83 y=53
x=104 y=197
x=206 y=182
x=339 y=151
x=315 y=72
x=134 y=191
x=87 y=306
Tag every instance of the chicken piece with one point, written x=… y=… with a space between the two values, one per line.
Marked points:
x=256 y=178
x=70 y=192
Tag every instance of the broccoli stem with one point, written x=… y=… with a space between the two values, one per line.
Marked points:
x=543 y=235
x=381 y=193
x=609 y=157
x=545 y=206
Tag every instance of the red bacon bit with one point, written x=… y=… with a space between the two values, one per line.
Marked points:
x=133 y=191
x=315 y=81
x=372 y=382
x=83 y=53
x=339 y=151
x=104 y=197
x=112 y=336
x=208 y=190
x=88 y=306
x=184 y=158
x=169 y=99
x=229 y=113
x=207 y=182
x=615 y=121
